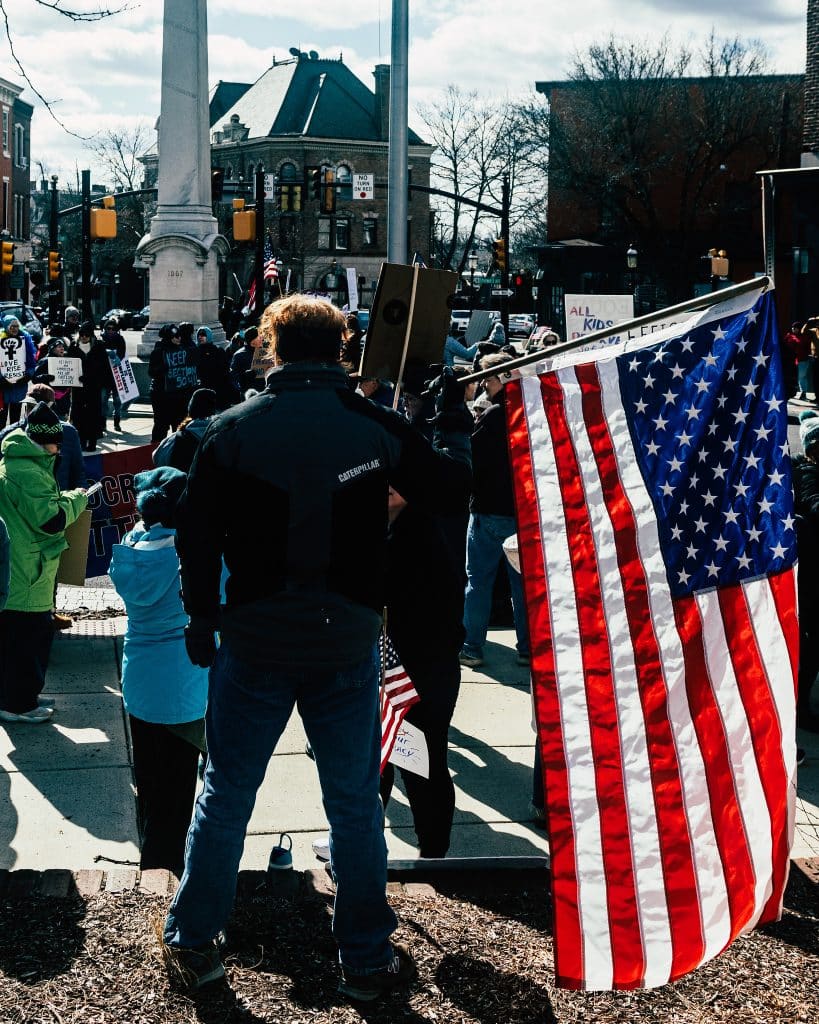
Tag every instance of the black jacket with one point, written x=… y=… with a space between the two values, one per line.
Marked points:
x=172 y=368
x=213 y=369
x=491 y=476
x=425 y=591
x=291 y=488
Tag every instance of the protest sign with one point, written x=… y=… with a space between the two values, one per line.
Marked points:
x=409 y=319
x=410 y=751
x=587 y=313
x=352 y=289
x=12 y=357
x=65 y=371
x=262 y=360
x=124 y=379
x=113 y=508
x=479 y=326
x=74 y=559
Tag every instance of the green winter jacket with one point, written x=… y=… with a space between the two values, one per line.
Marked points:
x=36 y=514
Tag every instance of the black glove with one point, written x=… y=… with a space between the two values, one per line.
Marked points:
x=200 y=642
x=451 y=412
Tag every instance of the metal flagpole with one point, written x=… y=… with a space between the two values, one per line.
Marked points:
x=690 y=305
x=397 y=171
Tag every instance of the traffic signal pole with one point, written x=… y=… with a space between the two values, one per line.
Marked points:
x=258 y=305
x=504 y=276
x=53 y=242
x=397 y=171
x=85 y=292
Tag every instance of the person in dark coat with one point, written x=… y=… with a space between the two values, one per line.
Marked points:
x=114 y=344
x=179 y=449
x=805 y=470
x=491 y=521
x=172 y=369
x=86 y=408
x=241 y=373
x=15 y=340
x=213 y=368
x=424 y=623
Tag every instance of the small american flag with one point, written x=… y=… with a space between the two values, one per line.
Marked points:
x=657 y=543
x=397 y=696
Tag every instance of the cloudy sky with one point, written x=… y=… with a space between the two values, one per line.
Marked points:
x=106 y=75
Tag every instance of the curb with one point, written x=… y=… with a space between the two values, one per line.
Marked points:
x=60 y=883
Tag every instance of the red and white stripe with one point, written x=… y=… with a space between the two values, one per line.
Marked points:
x=666 y=725
x=397 y=696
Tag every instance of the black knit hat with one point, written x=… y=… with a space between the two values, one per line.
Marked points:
x=202 y=404
x=157 y=493
x=43 y=425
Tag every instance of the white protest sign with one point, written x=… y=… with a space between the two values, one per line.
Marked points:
x=410 y=751
x=12 y=357
x=124 y=379
x=352 y=288
x=587 y=313
x=363 y=185
x=65 y=371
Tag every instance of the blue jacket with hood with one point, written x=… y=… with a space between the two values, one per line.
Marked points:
x=159 y=684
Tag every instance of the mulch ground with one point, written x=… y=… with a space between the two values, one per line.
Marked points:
x=484 y=952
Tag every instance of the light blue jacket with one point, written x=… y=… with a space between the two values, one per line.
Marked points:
x=159 y=684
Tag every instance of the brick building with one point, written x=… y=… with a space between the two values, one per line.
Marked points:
x=15 y=156
x=684 y=181
x=301 y=114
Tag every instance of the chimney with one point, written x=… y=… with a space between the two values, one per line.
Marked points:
x=810 y=131
x=381 y=114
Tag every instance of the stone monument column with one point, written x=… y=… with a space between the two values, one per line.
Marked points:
x=183 y=246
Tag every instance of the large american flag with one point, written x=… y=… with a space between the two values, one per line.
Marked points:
x=270 y=272
x=398 y=694
x=657 y=544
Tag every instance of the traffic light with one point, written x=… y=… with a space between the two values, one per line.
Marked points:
x=719 y=262
x=328 y=201
x=520 y=279
x=55 y=266
x=314 y=180
x=217 y=184
x=6 y=257
x=104 y=221
x=499 y=253
x=244 y=222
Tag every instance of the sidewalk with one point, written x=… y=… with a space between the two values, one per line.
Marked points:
x=69 y=785
x=68 y=793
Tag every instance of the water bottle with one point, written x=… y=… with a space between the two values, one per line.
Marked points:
x=281 y=856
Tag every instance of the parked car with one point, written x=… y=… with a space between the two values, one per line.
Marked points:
x=25 y=314
x=124 y=316
x=139 y=321
x=459 y=321
x=521 y=325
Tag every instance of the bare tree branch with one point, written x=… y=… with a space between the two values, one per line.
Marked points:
x=87 y=16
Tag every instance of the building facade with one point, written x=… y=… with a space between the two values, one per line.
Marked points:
x=15 y=157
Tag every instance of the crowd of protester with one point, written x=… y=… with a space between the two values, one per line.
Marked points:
x=366 y=495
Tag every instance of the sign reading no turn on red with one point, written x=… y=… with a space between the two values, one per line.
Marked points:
x=363 y=186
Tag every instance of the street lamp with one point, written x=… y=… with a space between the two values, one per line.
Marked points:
x=472 y=260
x=631 y=263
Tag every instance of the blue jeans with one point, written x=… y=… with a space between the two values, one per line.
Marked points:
x=248 y=708
x=116 y=400
x=484 y=551
x=804 y=375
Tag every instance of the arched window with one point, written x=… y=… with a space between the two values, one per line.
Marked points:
x=344 y=177
x=287 y=172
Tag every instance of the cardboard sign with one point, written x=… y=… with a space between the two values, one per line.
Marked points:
x=352 y=289
x=479 y=326
x=391 y=327
x=12 y=357
x=410 y=751
x=124 y=379
x=262 y=361
x=587 y=313
x=74 y=559
x=66 y=371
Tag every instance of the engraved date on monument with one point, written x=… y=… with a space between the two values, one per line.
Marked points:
x=175 y=273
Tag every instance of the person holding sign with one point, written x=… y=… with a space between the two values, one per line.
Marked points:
x=114 y=346
x=172 y=369
x=301 y=623
x=18 y=358
x=36 y=514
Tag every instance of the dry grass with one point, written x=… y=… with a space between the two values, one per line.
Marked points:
x=484 y=954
